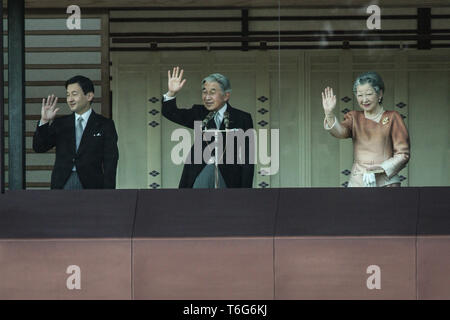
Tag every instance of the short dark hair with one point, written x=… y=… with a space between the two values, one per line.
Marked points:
x=85 y=83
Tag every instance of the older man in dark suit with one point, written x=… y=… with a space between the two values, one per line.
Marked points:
x=215 y=113
x=86 y=142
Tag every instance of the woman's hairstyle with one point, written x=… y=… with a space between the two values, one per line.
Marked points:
x=373 y=79
x=223 y=81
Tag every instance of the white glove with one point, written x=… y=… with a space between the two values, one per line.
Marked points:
x=369 y=180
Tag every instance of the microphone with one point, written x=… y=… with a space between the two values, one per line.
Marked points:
x=226 y=119
x=210 y=115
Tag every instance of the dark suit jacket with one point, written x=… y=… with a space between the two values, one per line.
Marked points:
x=97 y=155
x=235 y=175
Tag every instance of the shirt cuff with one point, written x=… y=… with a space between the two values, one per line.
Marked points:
x=326 y=126
x=391 y=166
x=167 y=98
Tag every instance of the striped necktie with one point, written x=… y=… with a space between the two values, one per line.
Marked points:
x=79 y=131
x=217 y=120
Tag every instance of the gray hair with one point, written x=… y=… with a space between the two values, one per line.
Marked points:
x=223 y=81
x=373 y=79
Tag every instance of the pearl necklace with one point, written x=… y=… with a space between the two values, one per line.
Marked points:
x=371 y=117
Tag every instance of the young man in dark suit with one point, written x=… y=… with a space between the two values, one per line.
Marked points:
x=86 y=142
x=216 y=112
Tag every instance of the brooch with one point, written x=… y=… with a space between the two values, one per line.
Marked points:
x=385 y=120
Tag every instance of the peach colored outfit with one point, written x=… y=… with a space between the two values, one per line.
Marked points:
x=382 y=140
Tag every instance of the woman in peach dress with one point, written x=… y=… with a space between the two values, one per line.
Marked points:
x=380 y=138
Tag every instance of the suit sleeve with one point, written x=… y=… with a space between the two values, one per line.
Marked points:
x=401 y=146
x=110 y=156
x=342 y=129
x=248 y=168
x=184 y=117
x=44 y=137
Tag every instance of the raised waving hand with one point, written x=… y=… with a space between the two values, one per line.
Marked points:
x=49 y=110
x=175 y=81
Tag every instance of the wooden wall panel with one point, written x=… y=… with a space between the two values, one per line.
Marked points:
x=300 y=115
x=240 y=68
x=129 y=112
x=325 y=149
x=429 y=118
x=309 y=156
x=53 y=55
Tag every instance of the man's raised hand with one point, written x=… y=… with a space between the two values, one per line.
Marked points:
x=175 y=82
x=48 y=111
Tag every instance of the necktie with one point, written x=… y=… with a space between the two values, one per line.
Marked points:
x=216 y=168
x=217 y=120
x=79 y=131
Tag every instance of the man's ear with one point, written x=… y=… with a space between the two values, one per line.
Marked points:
x=90 y=96
x=226 y=96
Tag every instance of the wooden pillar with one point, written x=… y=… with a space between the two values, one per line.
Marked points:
x=304 y=118
x=401 y=100
x=2 y=109
x=106 y=107
x=262 y=114
x=424 y=28
x=244 y=28
x=16 y=93
x=154 y=120
x=345 y=103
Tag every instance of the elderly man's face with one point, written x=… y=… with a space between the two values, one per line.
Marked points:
x=213 y=97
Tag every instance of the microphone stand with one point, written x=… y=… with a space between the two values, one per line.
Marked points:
x=216 y=151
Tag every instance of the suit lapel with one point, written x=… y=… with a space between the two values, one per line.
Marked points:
x=71 y=131
x=230 y=126
x=230 y=118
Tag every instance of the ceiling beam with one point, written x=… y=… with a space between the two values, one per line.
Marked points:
x=209 y=4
